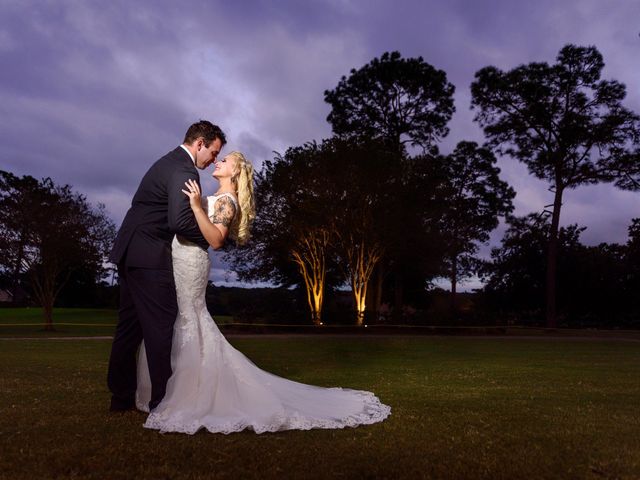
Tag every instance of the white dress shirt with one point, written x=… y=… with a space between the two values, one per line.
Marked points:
x=190 y=156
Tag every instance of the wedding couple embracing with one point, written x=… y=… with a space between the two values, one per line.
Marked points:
x=168 y=356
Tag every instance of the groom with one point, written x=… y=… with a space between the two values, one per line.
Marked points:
x=142 y=252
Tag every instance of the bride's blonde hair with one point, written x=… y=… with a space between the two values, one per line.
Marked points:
x=242 y=179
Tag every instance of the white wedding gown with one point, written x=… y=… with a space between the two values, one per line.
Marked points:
x=216 y=387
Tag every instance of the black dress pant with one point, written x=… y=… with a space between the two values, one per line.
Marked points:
x=148 y=310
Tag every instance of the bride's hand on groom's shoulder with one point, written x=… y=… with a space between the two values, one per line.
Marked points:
x=193 y=192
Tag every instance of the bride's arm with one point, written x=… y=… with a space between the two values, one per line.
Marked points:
x=216 y=230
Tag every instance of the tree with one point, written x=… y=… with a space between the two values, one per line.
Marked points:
x=17 y=223
x=515 y=276
x=292 y=230
x=361 y=254
x=566 y=124
x=596 y=284
x=393 y=99
x=414 y=242
x=592 y=285
x=397 y=102
x=476 y=198
x=309 y=252
x=49 y=231
x=321 y=209
x=363 y=181
x=632 y=261
x=357 y=220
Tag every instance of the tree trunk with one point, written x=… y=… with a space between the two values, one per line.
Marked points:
x=314 y=300
x=17 y=268
x=47 y=308
x=310 y=258
x=46 y=291
x=316 y=317
x=315 y=297
x=359 y=291
x=454 y=281
x=377 y=291
x=359 y=298
x=362 y=259
x=552 y=260
x=398 y=295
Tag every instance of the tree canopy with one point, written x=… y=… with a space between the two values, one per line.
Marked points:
x=49 y=231
x=476 y=199
x=565 y=123
x=394 y=99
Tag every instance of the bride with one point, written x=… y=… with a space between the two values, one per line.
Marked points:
x=213 y=385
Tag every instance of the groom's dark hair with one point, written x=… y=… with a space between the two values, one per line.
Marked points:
x=206 y=130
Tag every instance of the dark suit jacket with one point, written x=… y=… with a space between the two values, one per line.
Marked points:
x=158 y=210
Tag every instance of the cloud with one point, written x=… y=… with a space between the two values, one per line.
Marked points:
x=222 y=276
x=93 y=92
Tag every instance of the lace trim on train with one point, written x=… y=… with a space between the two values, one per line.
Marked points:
x=375 y=412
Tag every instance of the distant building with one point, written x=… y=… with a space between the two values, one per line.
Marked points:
x=17 y=297
x=5 y=296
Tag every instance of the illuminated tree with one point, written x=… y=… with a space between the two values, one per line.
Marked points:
x=566 y=124
x=309 y=252
x=361 y=255
x=397 y=102
x=321 y=208
x=292 y=231
x=361 y=180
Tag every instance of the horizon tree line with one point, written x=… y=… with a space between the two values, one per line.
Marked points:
x=425 y=215
x=377 y=207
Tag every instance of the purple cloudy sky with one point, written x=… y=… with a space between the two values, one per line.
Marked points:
x=92 y=92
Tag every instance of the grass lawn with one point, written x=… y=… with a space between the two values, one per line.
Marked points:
x=461 y=408
x=68 y=322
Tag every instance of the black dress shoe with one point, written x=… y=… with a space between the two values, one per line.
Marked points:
x=121 y=406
